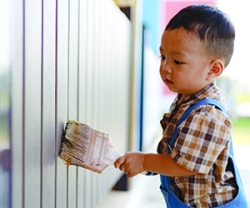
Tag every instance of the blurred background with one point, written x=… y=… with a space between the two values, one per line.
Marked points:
x=96 y=62
x=234 y=84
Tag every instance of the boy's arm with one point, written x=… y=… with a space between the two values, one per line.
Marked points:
x=133 y=163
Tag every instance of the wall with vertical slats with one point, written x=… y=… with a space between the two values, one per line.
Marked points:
x=69 y=60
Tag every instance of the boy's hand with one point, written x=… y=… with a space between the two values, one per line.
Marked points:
x=131 y=163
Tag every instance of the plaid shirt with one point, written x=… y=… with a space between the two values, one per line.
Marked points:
x=203 y=146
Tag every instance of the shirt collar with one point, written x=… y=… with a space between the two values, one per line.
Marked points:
x=205 y=92
x=211 y=90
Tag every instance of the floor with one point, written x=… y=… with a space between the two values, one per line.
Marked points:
x=145 y=191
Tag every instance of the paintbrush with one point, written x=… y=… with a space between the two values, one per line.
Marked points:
x=87 y=147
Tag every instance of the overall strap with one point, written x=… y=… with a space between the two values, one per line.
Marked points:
x=208 y=101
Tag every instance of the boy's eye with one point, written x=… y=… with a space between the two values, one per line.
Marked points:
x=178 y=62
x=161 y=57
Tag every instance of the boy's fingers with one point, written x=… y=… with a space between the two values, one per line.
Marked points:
x=119 y=161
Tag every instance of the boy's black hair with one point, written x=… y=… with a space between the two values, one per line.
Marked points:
x=211 y=26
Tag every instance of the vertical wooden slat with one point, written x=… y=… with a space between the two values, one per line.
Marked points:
x=106 y=84
x=100 y=65
x=61 y=97
x=32 y=104
x=123 y=63
x=95 y=88
x=82 y=89
x=88 y=180
x=72 y=90
x=109 y=81
x=114 y=83
x=17 y=109
x=97 y=103
x=48 y=104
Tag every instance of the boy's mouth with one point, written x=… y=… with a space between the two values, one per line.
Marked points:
x=168 y=81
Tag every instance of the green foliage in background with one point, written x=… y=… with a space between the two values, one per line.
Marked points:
x=241 y=130
x=241 y=126
x=242 y=97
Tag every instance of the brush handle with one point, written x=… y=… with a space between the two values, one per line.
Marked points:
x=102 y=152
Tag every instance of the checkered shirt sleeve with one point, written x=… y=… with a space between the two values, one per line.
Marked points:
x=203 y=140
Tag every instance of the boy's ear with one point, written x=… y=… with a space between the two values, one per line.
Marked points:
x=216 y=68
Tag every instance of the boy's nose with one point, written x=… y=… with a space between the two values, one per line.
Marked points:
x=166 y=68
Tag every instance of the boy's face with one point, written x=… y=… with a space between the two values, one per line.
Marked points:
x=184 y=66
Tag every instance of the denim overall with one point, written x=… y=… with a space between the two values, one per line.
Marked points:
x=171 y=199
